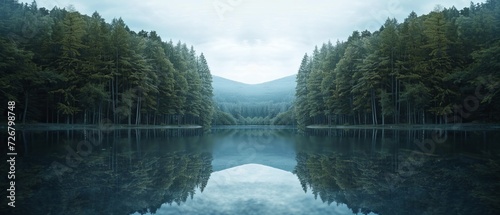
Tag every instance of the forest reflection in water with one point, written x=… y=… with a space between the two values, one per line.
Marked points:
x=404 y=172
x=124 y=171
x=184 y=171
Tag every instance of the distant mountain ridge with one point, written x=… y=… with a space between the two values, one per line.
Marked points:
x=226 y=90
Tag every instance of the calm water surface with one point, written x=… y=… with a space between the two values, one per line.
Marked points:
x=257 y=170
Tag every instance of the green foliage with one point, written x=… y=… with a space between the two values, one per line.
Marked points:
x=223 y=118
x=207 y=110
x=285 y=118
x=424 y=70
x=301 y=92
x=86 y=70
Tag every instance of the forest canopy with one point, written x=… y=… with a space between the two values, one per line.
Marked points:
x=441 y=67
x=63 y=66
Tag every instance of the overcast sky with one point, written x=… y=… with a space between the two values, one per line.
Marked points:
x=253 y=41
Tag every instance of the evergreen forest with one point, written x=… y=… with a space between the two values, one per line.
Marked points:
x=60 y=66
x=436 y=68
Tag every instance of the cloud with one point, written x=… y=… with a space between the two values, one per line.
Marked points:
x=254 y=41
x=253 y=189
x=247 y=58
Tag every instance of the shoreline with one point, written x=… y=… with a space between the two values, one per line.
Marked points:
x=50 y=126
x=464 y=126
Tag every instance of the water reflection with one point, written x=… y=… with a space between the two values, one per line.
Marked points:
x=129 y=171
x=388 y=172
x=259 y=145
x=257 y=170
x=253 y=189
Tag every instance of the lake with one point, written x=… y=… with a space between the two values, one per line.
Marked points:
x=257 y=170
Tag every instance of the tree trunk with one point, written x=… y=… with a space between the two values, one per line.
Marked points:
x=138 y=111
x=408 y=111
x=359 y=118
x=130 y=118
x=113 y=98
x=25 y=111
x=423 y=117
x=374 y=107
x=98 y=120
x=47 y=110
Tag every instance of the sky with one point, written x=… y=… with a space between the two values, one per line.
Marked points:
x=253 y=189
x=254 y=41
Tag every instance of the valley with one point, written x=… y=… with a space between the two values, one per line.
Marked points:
x=257 y=104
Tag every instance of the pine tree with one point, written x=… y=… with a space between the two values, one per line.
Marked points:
x=96 y=69
x=301 y=105
x=70 y=63
x=142 y=80
x=315 y=94
x=367 y=80
x=206 y=92
x=86 y=69
x=344 y=71
x=120 y=70
x=164 y=70
x=439 y=64
x=328 y=86
x=389 y=72
x=415 y=92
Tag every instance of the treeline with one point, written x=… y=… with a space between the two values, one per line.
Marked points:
x=252 y=104
x=254 y=113
x=255 y=109
x=233 y=117
x=62 y=66
x=442 y=67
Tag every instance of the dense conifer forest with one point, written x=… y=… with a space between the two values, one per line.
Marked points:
x=437 y=68
x=60 y=66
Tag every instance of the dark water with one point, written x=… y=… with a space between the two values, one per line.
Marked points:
x=256 y=170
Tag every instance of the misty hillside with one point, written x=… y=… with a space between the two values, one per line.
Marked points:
x=280 y=90
x=254 y=103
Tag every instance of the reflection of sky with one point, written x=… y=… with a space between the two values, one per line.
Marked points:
x=253 y=189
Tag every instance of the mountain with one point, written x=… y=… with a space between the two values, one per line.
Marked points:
x=280 y=90
x=254 y=103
